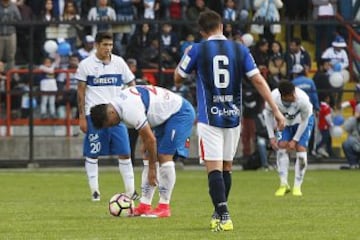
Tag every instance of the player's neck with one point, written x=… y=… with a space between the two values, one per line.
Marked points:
x=104 y=58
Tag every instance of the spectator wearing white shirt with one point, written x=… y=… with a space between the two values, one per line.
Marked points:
x=336 y=53
x=230 y=10
x=338 y=60
x=101 y=13
x=48 y=88
x=88 y=47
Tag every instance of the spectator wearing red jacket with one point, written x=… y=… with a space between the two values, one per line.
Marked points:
x=324 y=147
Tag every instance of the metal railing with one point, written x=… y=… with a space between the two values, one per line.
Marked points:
x=354 y=57
x=68 y=121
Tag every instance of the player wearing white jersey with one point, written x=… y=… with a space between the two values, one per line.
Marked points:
x=164 y=121
x=101 y=77
x=295 y=105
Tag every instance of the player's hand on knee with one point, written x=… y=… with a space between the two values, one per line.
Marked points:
x=292 y=145
x=274 y=144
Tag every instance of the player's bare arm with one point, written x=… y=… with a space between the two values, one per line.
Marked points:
x=130 y=84
x=264 y=90
x=150 y=146
x=81 y=105
x=177 y=78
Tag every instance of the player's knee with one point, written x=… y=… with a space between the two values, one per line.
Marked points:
x=283 y=144
x=300 y=148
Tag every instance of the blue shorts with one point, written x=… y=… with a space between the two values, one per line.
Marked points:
x=106 y=141
x=173 y=136
x=289 y=132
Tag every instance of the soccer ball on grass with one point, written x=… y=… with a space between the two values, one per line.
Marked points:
x=121 y=205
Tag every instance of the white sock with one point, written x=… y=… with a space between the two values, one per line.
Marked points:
x=127 y=174
x=147 y=191
x=92 y=171
x=166 y=181
x=282 y=160
x=300 y=168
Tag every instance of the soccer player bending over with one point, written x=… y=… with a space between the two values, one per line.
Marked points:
x=295 y=105
x=220 y=66
x=151 y=109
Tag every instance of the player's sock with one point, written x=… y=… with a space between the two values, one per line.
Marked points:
x=227 y=182
x=283 y=166
x=217 y=192
x=300 y=168
x=167 y=179
x=147 y=191
x=91 y=167
x=127 y=174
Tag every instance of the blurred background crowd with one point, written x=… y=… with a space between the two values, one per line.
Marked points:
x=299 y=40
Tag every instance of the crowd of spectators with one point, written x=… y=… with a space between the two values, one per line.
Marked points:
x=159 y=46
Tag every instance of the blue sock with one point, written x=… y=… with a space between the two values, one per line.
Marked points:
x=217 y=192
x=227 y=182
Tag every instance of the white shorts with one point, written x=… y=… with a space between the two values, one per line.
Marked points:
x=217 y=143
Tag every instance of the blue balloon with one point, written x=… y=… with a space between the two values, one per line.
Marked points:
x=338 y=120
x=64 y=49
x=337 y=67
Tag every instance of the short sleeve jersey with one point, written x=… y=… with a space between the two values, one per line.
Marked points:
x=104 y=81
x=298 y=111
x=143 y=104
x=220 y=66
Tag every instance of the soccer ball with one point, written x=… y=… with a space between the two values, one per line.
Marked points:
x=121 y=205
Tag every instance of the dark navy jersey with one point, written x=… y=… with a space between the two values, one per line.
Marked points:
x=220 y=65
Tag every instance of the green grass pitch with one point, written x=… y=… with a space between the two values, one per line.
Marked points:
x=55 y=204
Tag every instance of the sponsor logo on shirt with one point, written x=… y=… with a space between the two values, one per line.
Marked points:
x=224 y=111
x=93 y=137
x=105 y=81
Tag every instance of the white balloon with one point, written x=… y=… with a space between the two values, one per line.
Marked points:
x=336 y=131
x=336 y=79
x=50 y=46
x=346 y=75
x=247 y=39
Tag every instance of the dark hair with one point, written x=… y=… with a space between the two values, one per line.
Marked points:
x=280 y=46
x=286 y=87
x=324 y=60
x=261 y=42
x=98 y=114
x=100 y=36
x=209 y=20
x=297 y=41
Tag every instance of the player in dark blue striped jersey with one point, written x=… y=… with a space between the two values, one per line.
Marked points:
x=220 y=65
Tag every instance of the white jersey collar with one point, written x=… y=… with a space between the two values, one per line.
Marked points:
x=100 y=61
x=217 y=37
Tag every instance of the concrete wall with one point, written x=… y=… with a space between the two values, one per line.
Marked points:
x=51 y=143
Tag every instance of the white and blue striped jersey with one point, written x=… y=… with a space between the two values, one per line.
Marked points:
x=104 y=81
x=143 y=104
x=220 y=65
x=297 y=112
